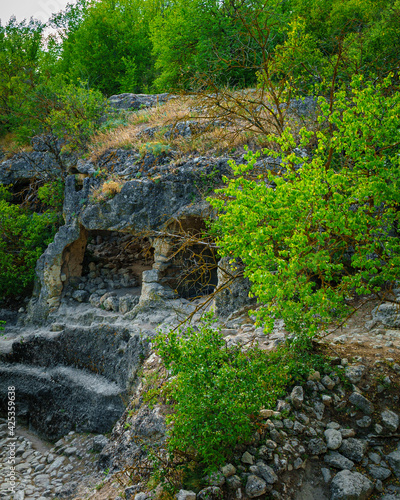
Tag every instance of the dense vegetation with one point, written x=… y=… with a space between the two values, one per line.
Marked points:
x=328 y=230
x=152 y=45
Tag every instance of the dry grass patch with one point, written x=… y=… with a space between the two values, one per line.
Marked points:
x=220 y=124
x=9 y=145
x=107 y=190
x=126 y=136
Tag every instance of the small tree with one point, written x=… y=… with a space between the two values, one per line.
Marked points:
x=316 y=230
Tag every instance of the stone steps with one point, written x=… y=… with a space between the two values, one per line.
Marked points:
x=57 y=400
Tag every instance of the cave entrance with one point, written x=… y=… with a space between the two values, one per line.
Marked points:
x=111 y=271
x=190 y=266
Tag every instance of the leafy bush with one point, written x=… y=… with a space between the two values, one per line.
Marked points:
x=76 y=115
x=23 y=238
x=217 y=391
x=52 y=194
x=316 y=230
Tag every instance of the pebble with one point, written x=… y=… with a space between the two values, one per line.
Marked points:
x=36 y=471
x=333 y=438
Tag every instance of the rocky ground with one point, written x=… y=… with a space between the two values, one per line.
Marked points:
x=335 y=437
x=44 y=470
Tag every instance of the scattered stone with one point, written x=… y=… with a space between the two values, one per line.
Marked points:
x=347 y=433
x=233 y=482
x=255 y=486
x=81 y=295
x=327 y=400
x=394 y=462
x=354 y=449
x=298 y=463
x=348 y=485
x=337 y=460
x=364 y=422
x=186 y=495
x=228 y=470
x=317 y=446
x=377 y=472
x=297 y=397
x=333 y=439
x=362 y=403
x=328 y=382
x=314 y=376
x=390 y=420
x=267 y=473
x=354 y=373
x=326 y=474
x=141 y=496
x=247 y=458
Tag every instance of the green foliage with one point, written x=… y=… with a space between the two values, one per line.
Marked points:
x=19 y=54
x=154 y=148
x=195 y=40
x=107 y=44
x=76 y=116
x=218 y=391
x=317 y=230
x=52 y=194
x=24 y=236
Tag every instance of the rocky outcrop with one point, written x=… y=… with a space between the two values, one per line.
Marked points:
x=71 y=377
x=133 y=102
x=27 y=166
x=143 y=207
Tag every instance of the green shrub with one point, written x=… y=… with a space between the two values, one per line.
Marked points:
x=317 y=230
x=217 y=391
x=23 y=238
x=52 y=194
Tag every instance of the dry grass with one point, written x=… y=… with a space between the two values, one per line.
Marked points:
x=223 y=124
x=208 y=139
x=126 y=136
x=107 y=190
x=10 y=146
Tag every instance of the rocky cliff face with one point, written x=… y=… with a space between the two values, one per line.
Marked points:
x=129 y=260
x=114 y=272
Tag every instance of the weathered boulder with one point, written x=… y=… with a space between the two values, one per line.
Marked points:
x=255 y=486
x=348 y=485
x=354 y=449
x=388 y=314
x=132 y=102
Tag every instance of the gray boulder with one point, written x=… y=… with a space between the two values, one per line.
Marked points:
x=390 y=420
x=297 y=397
x=337 y=460
x=317 y=446
x=348 y=485
x=353 y=449
x=394 y=462
x=355 y=373
x=186 y=495
x=333 y=438
x=362 y=403
x=255 y=486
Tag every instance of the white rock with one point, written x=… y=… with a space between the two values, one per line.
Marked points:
x=333 y=438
